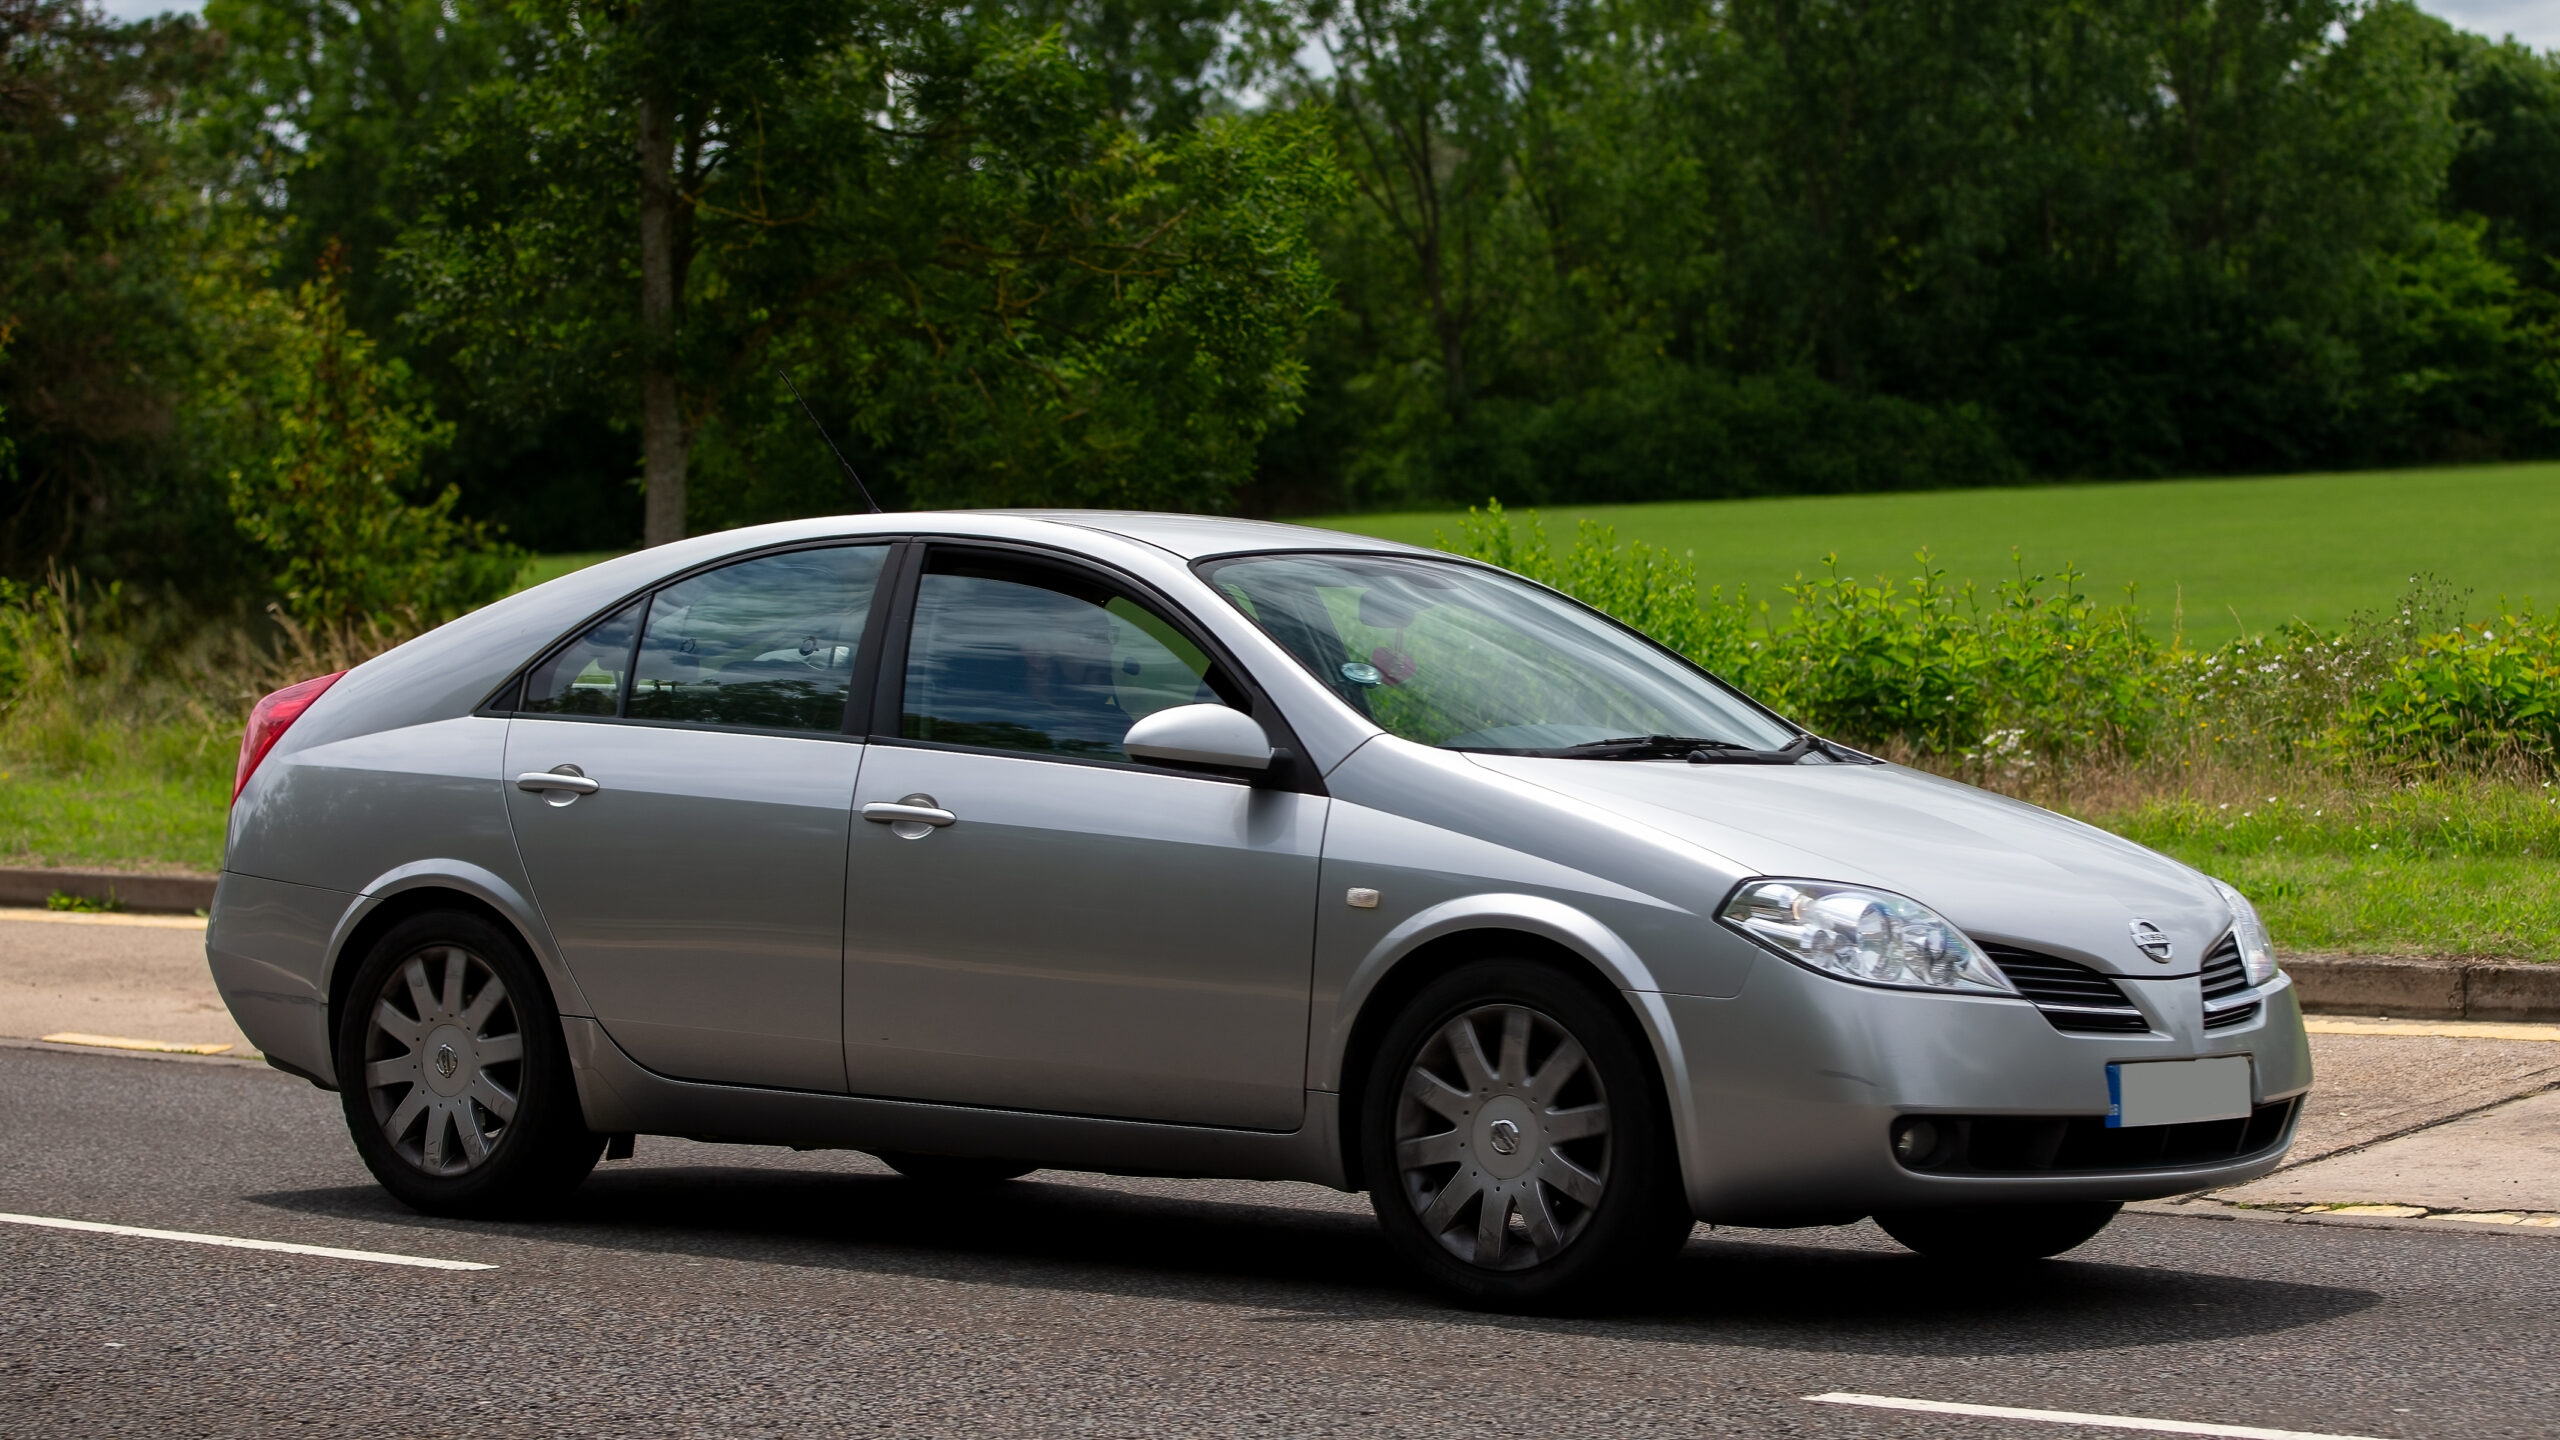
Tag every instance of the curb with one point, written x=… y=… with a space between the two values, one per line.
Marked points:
x=168 y=894
x=2427 y=989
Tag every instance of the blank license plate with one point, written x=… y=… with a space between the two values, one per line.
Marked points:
x=2177 y=1092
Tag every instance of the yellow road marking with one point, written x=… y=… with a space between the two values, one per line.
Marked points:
x=119 y=1042
x=88 y=917
x=2443 y=1029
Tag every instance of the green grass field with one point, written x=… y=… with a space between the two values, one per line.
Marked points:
x=2221 y=556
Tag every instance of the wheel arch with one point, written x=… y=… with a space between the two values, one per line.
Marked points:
x=1440 y=939
x=439 y=885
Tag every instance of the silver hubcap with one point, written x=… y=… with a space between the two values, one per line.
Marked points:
x=1502 y=1137
x=444 y=1060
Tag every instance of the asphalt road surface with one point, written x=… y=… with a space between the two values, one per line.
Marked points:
x=709 y=1290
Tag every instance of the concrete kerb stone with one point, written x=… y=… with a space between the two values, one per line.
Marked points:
x=160 y=894
x=2410 y=989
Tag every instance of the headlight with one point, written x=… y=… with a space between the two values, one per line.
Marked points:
x=2257 y=947
x=1870 y=936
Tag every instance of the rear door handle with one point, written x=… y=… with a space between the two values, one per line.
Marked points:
x=890 y=812
x=565 y=778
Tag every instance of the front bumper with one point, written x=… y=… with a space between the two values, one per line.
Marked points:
x=1787 y=1093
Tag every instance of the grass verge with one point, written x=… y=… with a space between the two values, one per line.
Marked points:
x=2446 y=867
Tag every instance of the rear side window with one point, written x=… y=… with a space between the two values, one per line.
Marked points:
x=584 y=677
x=1016 y=655
x=767 y=643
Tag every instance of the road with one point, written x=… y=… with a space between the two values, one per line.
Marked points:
x=703 y=1289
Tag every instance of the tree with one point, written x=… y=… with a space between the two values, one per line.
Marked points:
x=99 y=229
x=1023 y=295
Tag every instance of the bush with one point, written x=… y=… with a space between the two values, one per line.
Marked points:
x=2474 y=693
x=335 y=507
x=2038 y=674
x=2037 y=671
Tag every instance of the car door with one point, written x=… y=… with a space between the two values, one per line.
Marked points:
x=680 y=783
x=1085 y=935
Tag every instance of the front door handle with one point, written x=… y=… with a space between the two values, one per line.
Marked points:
x=911 y=818
x=563 y=784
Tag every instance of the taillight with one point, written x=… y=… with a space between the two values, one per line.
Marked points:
x=270 y=718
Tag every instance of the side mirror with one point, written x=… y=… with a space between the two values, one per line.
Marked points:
x=1200 y=735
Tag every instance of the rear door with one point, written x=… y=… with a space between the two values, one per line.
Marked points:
x=680 y=782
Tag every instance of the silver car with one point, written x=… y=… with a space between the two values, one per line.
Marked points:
x=1155 y=844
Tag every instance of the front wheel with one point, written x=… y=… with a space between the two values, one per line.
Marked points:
x=453 y=1075
x=1515 y=1142
x=1999 y=1234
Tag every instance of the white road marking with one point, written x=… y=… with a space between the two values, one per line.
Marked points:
x=2074 y=1417
x=328 y=1252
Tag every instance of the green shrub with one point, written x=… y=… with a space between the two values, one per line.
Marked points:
x=2474 y=693
x=2038 y=673
x=2025 y=675
x=338 y=505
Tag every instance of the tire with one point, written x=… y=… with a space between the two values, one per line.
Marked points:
x=453 y=1075
x=952 y=1170
x=1999 y=1234
x=1447 y=1133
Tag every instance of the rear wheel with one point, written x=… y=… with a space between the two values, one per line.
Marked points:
x=1999 y=1234
x=452 y=1072
x=1514 y=1140
x=952 y=1169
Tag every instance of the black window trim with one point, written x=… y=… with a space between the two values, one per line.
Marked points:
x=1291 y=770
x=506 y=702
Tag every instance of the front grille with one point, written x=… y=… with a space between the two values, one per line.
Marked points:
x=2072 y=996
x=2040 y=1144
x=2224 y=976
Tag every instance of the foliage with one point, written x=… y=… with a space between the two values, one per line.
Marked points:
x=2473 y=693
x=1616 y=251
x=335 y=506
x=934 y=217
x=2023 y=674
x=2037 y=673
x=96 y=237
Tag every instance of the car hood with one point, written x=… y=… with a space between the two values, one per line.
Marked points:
x=2002 y=870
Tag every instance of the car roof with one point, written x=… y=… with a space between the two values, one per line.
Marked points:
x=1197 y=537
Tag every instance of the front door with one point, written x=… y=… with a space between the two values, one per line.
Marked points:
x=1086 y=935
x=697 y=890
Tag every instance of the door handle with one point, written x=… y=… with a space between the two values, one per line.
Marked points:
x=889 y=812
x=566 y=778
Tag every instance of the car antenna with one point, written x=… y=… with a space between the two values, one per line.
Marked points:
x=858 y=487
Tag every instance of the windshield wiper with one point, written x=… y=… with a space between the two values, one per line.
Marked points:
x=1696 y=749
x=1653 y=747
x=1807 y=746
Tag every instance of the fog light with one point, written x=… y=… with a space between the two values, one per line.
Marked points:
x=1915 y=1142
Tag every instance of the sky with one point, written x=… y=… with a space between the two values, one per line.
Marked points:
x=2535 y=22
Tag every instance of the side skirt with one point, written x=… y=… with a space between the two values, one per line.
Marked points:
x=620 y=1096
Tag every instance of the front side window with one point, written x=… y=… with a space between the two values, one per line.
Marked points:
x=1013 y=654
x=767 y=643
x=1471 y=659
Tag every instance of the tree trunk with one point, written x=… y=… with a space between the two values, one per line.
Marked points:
x=662 y=436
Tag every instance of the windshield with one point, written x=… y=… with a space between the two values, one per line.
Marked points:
x=1472 y=659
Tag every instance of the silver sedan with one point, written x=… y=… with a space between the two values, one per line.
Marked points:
x=1156 y=844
